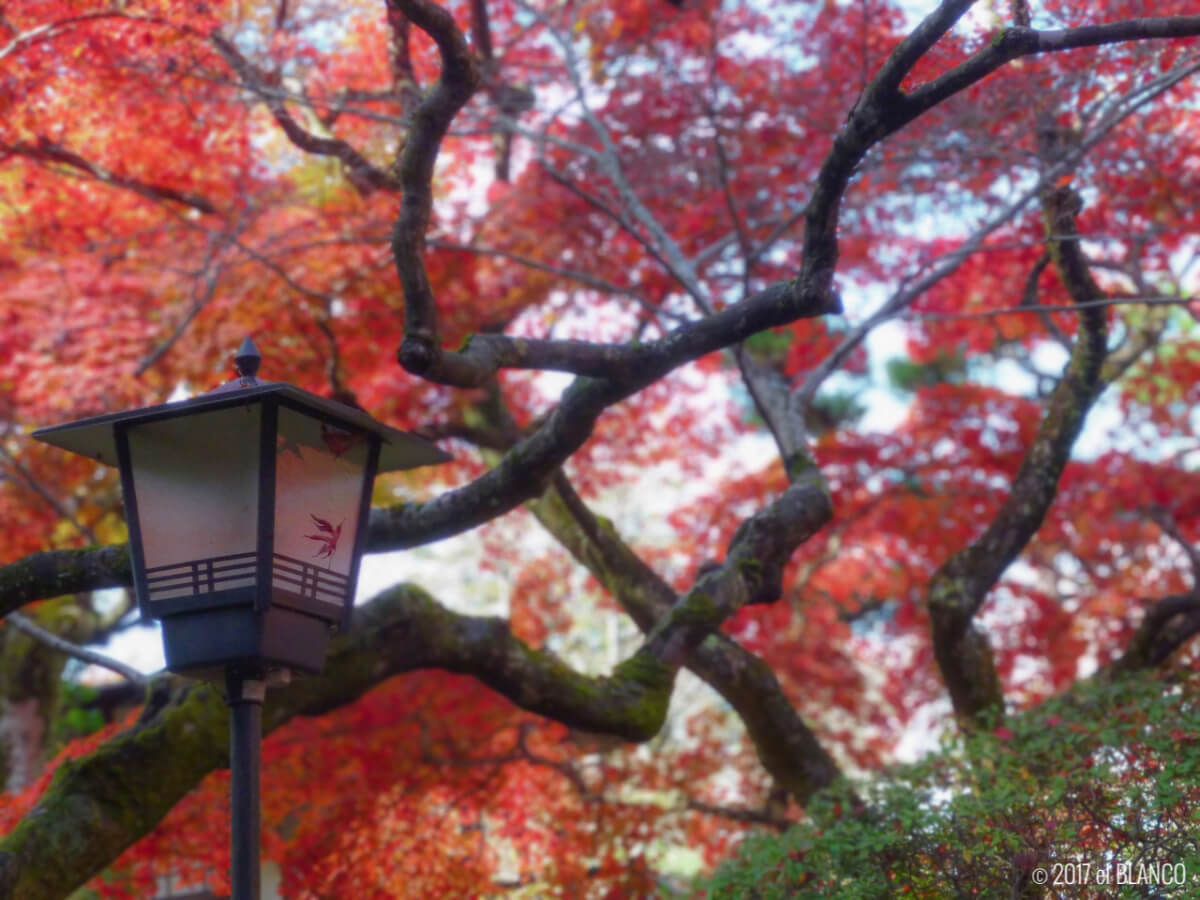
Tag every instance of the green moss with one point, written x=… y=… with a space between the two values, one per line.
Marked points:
x=644 y=669
x=697 y=608
x=945 y=592
x=750 y=567
x=646 y=709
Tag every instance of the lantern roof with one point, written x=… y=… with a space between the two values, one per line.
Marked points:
x=94 y=437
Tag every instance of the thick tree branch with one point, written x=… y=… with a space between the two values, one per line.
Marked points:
x=457 y=82
x=787 y=748
x=480 y=645
x=97 y=806
x=942 y=267
x=958 y=588
x=1169 y=624
x=54 y=573
x=524 y=474
x=474 y=364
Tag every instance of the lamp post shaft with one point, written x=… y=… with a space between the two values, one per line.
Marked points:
x=245 y=697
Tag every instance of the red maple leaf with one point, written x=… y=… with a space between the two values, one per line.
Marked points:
x=328 y=538
x=339 y=441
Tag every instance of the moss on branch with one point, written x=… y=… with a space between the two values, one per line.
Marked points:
x=100 y=804
x=785 y=745
x=55 y=573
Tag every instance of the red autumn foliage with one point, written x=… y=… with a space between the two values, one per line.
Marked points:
x=175 y=175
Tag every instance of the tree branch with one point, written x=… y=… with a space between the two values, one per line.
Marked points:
x=54 y=642
x=361 y=173
x=97 y=806
x=1013 y=43
x=45 y=151
x=54 y=573
x=786 y=746
x=958 y=588
x=1170 y=623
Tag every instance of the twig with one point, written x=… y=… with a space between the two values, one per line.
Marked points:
x=54 y=642
x=1074 y=307
x=38 y=488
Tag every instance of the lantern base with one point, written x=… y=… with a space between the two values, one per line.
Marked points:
x=205 y=643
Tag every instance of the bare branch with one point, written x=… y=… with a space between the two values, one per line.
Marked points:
x=958 y=588
x=1170 y=623
x=361 y=173
x=933 y=271
x=83 y=654
x=45 y=151
x=1041 y=310
x=1013 y=43
x=786 y=746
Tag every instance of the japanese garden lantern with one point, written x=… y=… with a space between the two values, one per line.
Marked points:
x=247 y=510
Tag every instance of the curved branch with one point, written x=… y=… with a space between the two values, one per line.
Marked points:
x=458 y=81
x=524 y=473
x=54 y=642
x=97 y=806
x=1013 y=43
x=958 y=588
x=361 y=173
x=786 y=746
x=933 y=271
x=1167 y=626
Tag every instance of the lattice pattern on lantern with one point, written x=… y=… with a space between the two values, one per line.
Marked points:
x=202 y=576
x=208 y=465
x=295 y=580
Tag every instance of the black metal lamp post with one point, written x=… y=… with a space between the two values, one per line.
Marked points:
x=247 y=510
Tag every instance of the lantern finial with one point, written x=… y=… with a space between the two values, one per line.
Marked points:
x=248 y=359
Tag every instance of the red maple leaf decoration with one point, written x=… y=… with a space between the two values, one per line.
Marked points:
x=339 y=441
x=328 y=538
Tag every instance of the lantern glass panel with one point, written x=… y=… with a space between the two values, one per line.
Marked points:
x=319 y=471
x=195 y=481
